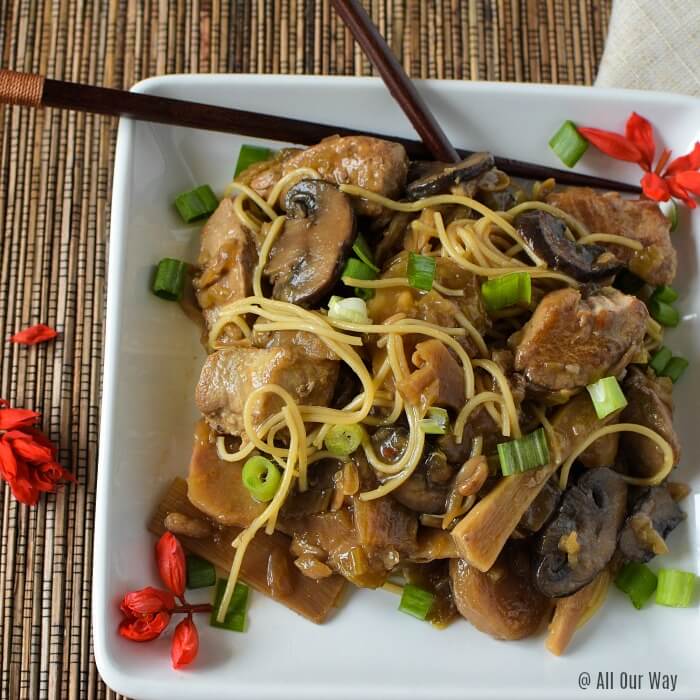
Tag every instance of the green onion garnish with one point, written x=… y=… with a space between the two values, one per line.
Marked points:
x=670 y=210
x=665 y=293
x=351 y=310
x=436 y=422
x=674 y=368
x=660 y=359
x=200 y=572
x=196 y=204
x=511 y=289
x=568 y=144
x=638 y=581
x=421 y=271
x=261 y=477
x=628 y=282
x=416 y=601
x=248 y=155
x=675 y=588
x=360 y=271
x=664 y=313
x=343 y=440
x=236 y=614
x=607 y=396
x=523 y=454
x=169 y=279
x=361 y=249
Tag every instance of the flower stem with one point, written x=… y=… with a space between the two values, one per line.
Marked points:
x=189 y=609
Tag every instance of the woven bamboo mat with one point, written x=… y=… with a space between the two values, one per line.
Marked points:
x=55 y=182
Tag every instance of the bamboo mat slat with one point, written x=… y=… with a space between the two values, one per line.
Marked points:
x=55 y=184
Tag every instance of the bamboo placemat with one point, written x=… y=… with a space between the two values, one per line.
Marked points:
x=55 y=183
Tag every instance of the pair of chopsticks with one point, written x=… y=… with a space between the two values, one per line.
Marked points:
x=33 y=90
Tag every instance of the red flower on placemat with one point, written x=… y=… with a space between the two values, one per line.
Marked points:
x=679 y=178
x=147 y=612
x=34 y=335
x=27 y=457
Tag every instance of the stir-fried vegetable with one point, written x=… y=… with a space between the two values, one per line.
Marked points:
x=675 y=588
x=436 y=422
x=638 y=581
x=169 y=279
x=674 y=368
x=568 y=144
x=421 y=271
x=361 y=249
x=249 y=155
x=664 y=313
x=343 y=440
x=261 y=477
x=196 y=204
x=660 y=359
x=528 y=452
x=607 y=396
x=501 y=292
x=359 y=270
x=235 y=619
x=200 y=572
x=416 y=601
x=665 y=293
x=350 y=309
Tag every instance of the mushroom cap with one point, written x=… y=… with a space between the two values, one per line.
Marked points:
x=307 y=259
x=449 y=175
x=593 y=509
x=546 y=235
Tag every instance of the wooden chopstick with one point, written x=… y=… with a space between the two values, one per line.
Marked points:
x=32 y=90
x=394 y=76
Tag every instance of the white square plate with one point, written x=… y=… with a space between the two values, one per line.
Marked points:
x=368 y=649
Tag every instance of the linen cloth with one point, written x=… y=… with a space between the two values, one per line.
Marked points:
x=653 y=45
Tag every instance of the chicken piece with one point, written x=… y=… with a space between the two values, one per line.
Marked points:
x=376 y=165
x=226 y=262
x=649 y=403
x=639 y=220
x=439 y=380
x=572 y=340
x=231 y=374
x=311 y=344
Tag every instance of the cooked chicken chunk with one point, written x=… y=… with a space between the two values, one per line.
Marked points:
x=649 y=403
x=639 y=220
x=231 y=374
x=376 y=165
x=572 y=340
x=226 y=262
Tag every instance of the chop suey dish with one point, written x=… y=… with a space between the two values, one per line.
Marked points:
x=434 y=379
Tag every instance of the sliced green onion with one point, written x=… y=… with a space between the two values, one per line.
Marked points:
x=196 y=204
x=343 y=440
x=236 y=614
x=664 y=313
x=674 y=368
x=670 y=210
x=421 y=271
x=169 y=279
x=436 y=422
x=249 y=155
x=665 y=293
x=352 y=309
x=360 y=271
x=628 y=282
x=675 y=588
x=524 y=454
x=361 y=249
x=416 y=601
x=511 y=289
x=607 y=396
x=660 y=359
x=200 y=572
x=261 y=477
x=568 y=144
x=638 y=581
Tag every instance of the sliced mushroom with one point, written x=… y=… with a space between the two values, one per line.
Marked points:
x=546 y=236
x=426 y=490
x=577 y=545
x=654 y=516
x=501 y=602
x=449 y=175
x=307 y=259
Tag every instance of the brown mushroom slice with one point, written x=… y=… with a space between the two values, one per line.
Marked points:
x=578 y=544
x=501 y=602
x=307 y=259
x=449 y=175
x=547 y=237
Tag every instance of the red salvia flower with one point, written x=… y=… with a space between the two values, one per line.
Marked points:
x=147 y=612
x=34 y=335
x=27 y=457
x=170 y=558
x=185 y=643
x=680 y=178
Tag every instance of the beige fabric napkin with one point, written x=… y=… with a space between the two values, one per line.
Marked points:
x=653 y=45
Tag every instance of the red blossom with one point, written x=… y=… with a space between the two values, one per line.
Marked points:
x=147 y=601
x=170 y=558
x=11 y=418
x=34 y=335
x=145 y=627
x=185 y=643
x=680 y=179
